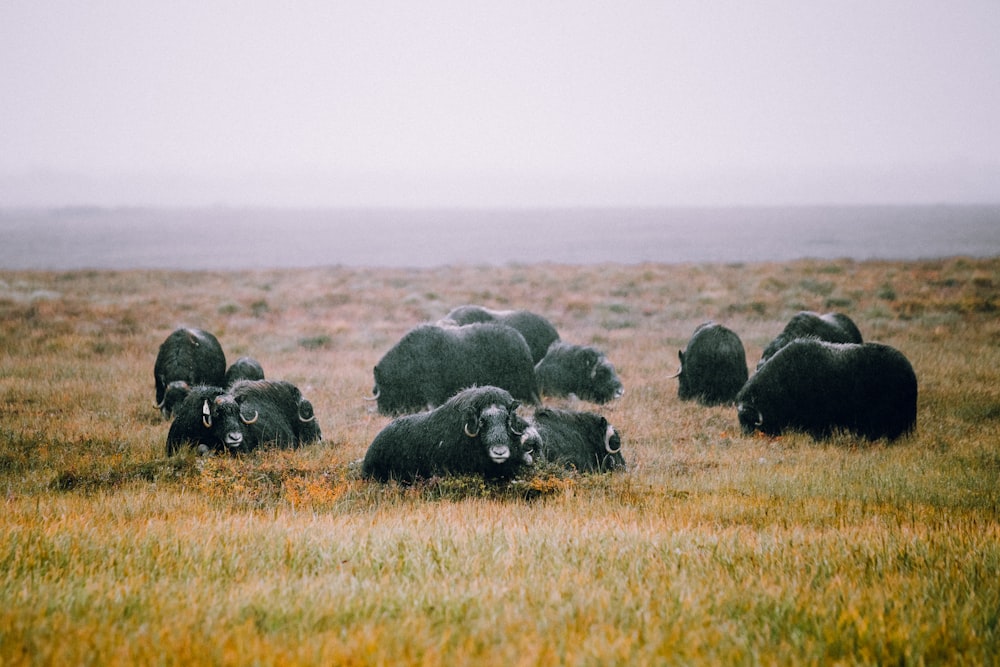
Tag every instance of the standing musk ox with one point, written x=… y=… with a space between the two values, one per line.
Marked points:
x=713 y=366
x=188 y=357
x=247 y=415
x=433 y=362
x=868 y=389
x=538 y=332
x=477 y=431
x=831 y=327
x=578 y=370
x=244 y=368
x=581 y=440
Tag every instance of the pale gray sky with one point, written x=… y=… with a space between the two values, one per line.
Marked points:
x=499 y=103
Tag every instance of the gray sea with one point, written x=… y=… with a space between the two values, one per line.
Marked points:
x=235 y=238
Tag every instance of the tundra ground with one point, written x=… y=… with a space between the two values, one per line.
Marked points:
x=714 y=547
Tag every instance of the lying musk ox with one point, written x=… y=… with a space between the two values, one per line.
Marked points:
x=247 y=415
x=581 y=440
x=477 y=431
x=713 y=366
x=433 y=362
x=538 y=332
x=578 y=370
x=868 y=389
x=244 y=368
x=188 y=357
x=831 y=327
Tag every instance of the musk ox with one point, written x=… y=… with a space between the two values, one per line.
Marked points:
x=713 y=366
x=477 y=431
x=578 y=370
x=868 y=389
x=188 y=357
x=831 y=327
x=581 y=440
x=247 y=415
x=538 y=332
x=244 y=368
x=433 y=362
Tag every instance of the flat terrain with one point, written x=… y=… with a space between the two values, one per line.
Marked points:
x=714 y=547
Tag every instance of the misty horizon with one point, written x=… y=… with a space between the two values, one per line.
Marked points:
x=458 y=104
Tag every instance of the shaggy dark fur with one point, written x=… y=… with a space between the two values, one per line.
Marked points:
x=713 y=366
x=578 y=370
x=477 y=431
x=244 y=368
x=819 y=387
x=538 y=332
x=188 y=357
x=581 y=440
x=248 y=415
x=433 y=362
x=831 y=327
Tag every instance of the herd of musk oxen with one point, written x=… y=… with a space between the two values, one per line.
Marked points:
x=454 y=386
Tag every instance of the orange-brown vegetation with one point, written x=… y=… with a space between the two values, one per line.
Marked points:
x=714 y=547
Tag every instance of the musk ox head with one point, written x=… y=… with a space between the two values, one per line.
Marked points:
x=578 y=370
x=208 y=418
x=492 y=426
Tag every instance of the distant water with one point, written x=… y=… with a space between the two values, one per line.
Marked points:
x=233 y=238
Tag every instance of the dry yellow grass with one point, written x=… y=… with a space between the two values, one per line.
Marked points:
x=713 y=548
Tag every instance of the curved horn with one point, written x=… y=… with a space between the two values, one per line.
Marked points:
x=760 y=419
x=159 y=406
x=206 y=414
x=375 y=395
x=677 y=374
x=243 y=419
x=607 y=441
x=306 y=420
x=511 y=421
x=469 y=432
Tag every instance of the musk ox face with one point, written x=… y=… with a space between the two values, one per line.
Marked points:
x=478 y=431
x=820 y=388
x=495 y=429
x=713 y=366
x=578 y=370
x=191 y=357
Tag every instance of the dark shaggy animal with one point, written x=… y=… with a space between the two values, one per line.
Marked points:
x=713 y=366
x=578 y=370
x=538 y=332
x=477 y=431
x=433 y=362
x=819 y=387
x=831 y=327
x=188 y=357
x=581 y=440
x=244 y=368
x=247 y=415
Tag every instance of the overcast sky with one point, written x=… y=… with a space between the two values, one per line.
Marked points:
x=404 y=103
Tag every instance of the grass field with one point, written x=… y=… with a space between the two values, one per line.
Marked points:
x=714 y=547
